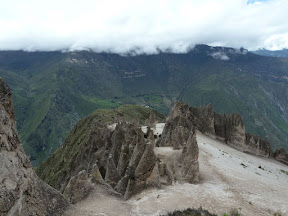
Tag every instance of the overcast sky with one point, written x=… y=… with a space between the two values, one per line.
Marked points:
x=145 y=25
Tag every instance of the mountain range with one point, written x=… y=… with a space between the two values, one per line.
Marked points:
x=53 y=90
x=275 y=53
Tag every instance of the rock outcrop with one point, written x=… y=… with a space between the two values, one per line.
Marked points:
x=21 y=191
x=281 y=155
x=78 y=187
x=179 y=133
x=179 y=125
x=258 y=146
x=229 y=128
x=123 y=157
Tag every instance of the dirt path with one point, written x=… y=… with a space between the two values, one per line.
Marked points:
x=229 y=179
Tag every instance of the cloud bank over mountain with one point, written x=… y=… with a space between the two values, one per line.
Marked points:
x=143 y=25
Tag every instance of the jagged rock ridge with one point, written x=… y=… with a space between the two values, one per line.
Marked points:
x=229 y=128
x=125 y=160
x=21 y=191
x=120 y=157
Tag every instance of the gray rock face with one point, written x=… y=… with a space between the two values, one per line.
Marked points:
x=78 y=187
x=21 y=191
x=235 y=131
x=122 y=159
x=220 y=126
x=178 y=127
x=190 y=166
x=230 y=129
x=203 y=119
x=281 y=155
x=258 y=146
x=179 y=133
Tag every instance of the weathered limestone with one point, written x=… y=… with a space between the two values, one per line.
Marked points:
x=21 y=191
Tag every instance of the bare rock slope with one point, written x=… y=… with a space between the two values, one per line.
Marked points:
x=21 y=191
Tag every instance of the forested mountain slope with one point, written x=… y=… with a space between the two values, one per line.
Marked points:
x=53 y=90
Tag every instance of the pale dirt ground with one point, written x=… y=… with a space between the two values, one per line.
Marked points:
x=224 y=184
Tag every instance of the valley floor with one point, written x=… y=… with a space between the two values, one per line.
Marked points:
x=228 y=179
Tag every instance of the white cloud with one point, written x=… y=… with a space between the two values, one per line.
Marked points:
x=144 y=25
x=220 y=55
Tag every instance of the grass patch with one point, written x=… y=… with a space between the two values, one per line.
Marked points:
x=284 y=171
x=278 y=213
x=233 y=212
x=191 y=212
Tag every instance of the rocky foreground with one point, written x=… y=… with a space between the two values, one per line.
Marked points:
x=228 y=179
x=21 y=191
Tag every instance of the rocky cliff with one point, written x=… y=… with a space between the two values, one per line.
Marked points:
x=21 y=191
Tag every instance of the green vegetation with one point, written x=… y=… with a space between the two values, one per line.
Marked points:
x=284 y=171
x=277 y=213
x=191 y=212
x=232 y=212
x=278 y=53
x=54 y=90
x=201 y=212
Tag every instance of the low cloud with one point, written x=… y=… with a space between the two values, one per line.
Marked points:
x=142 y=26
x=220 y=55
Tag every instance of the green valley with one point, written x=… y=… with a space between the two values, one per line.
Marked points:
x=53 y=90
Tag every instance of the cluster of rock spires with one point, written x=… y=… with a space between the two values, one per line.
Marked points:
x=121 y=159
x=21 y=191
x=124 y=160
x=229 y=128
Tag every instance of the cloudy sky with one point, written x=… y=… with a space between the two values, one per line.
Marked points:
x=143 y=25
